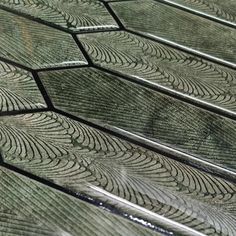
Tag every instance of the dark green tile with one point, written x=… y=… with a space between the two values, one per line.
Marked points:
x=108 y=100
x=223 y=10
x=75 y=15
x=156 y=19
x=164 y=67
x=29 y=208
x=35 y=45
x=84 y=159
x=18 y=90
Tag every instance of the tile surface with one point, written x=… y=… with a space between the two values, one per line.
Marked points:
x=18 y=90
x=224 y=10
x=48 y=212
x=159 y=20
x=35 y=45
x=80 y=157
x=75 y=15
x=113 y=122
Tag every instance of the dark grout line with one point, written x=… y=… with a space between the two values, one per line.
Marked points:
x=169 y=152
x=198 y=13
x=85 y=198
x=16 y=64
x=42 y=90
x=185 y=49
x=96 y=31
x=22 y=112
x=85 y=54
x=171 y=93
x=113 y=14
x=60 y=68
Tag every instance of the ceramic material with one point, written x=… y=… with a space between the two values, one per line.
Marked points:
x=79 y=157
x=156 y=19
x=18 y=90
x=75 y=15
x=117 y=118
x=35 y=45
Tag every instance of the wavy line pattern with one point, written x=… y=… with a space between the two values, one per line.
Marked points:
x=221 y=9
x=156 y=19
x=18 y=90
x=48 y=212
x=75 y=15
x=82 y=158
x=106 y=99
x=148 y=60
x=35 y=45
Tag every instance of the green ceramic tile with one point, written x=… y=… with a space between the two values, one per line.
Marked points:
x=223 y=10
x=77 y=157
x=75 y=15
x=35 y=45
x=156 y=19
x=106 y=99
x=18 y=90
x=164 y=67
x=31 y=209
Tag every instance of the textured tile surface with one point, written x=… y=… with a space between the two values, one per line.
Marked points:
x=78 y=157
x=75 y=15
x=163 y=66
x=157 y=19
x=18 y=90
x=114 y=132
x=28 y=208
x=35 y=45
x=100 y=97
x=224 y=10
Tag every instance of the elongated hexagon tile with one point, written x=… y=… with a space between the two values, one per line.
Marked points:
x=75 y=15
x=18 y=90
x=85 y=159
x=224 y=10
x=164 y=67
x=156 y=19
x=29 y=208
x=106 y=99
x=35 y=45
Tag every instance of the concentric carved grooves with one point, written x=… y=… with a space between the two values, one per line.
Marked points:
x=106 y=99
x=75 y=15
x=75 y=155
x=18 y=90
x=145 y=59
x=223 y=10
x=48 y=212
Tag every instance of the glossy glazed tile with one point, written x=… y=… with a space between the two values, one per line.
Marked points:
x=29 y=208
x=75 y=15
x=223 y=10
x=156 y=19
x=35 y=45
x=18 y=90
x=163 y=67
x=84 y=159
x=106 y=99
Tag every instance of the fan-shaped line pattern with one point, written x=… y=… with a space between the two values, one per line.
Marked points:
x=106 y=99
x=75 y=156
x=224 y=10
x=75 y=15
x=18 y=90
x=35 y=45
x=49 y=212
x=153 y=18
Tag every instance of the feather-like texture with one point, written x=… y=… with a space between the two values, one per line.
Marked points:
x=75 y=15
x=75 y=156
x=18 y=90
